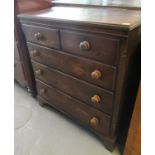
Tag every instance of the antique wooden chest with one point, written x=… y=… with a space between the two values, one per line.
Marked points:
x=81 y=59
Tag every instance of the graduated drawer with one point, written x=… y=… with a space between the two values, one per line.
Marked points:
x=88 y=93
x=92 y=46
x=42 y=35
x=85 y=69
x=74 y=108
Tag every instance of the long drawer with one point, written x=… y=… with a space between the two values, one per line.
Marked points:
x=88 y=93
x=76 y=109
x=92 y=46
x=85 y=69
x=42 y=35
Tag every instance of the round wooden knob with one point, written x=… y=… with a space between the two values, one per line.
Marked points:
x=94 y=121
x=96 y=74
x=42 y=91
x=96 y=99
x=38 y=36
x=34 y=53
x=38 y=72
x=84 y=45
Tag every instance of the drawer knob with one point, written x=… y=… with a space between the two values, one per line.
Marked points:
x=94 y=121
x=95 y=99
x=96 y=74
x=42 y=91
x=84 y=45
x=39 y=72
x=38 y=36
x=34 y=53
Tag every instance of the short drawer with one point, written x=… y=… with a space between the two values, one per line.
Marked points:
x=88 y=93
x=42 y=35
x=92 y=46
x=74 y=108
x=85 y=69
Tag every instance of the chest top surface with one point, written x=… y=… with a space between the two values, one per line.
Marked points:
x=106 y=17
x=134 y=4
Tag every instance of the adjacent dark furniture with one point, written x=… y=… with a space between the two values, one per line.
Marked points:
x=23 y=72
x=82 y=60
x=133 y=142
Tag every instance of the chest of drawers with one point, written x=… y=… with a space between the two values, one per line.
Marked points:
x=81 y=59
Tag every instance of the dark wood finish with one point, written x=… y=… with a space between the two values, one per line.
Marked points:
x=93 y=64
x=76 y=66
x=23 y=73
x=100 y=48
x=74 y=87
x=75 y=108
x=44 y=36
x=133 y=142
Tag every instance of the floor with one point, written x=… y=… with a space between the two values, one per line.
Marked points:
x=44 y=131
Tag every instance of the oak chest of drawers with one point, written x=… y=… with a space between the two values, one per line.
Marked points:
x=81 y=58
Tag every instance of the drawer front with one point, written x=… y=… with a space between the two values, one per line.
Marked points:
x=44 y=36
x=88 y=70
x=75 y=108
x=92 y=46
x=90 y=94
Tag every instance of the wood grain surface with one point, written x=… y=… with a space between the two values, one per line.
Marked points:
x=118 y=19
